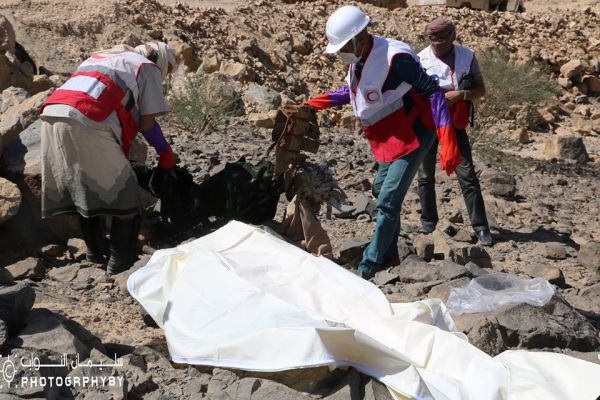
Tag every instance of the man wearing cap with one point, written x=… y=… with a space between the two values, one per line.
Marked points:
x=399 y=107
x=457 y=71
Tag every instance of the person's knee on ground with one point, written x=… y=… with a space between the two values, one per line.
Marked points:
x=123 y=243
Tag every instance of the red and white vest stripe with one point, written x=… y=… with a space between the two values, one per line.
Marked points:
x=380 y=113
x=103 y=84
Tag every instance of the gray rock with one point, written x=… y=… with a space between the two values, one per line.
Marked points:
x=364 y=205
x=10 y=199
x=91 y=275
x=77 y=248
x=404 y=249
x=500 y=184
x=220 y=380
x=587 y=301
x=52 y=250
x=424 y=247
x=64 y=274
x=47 y=330
x=6 y=279
x=555 y=325
x=465 y=235
x=375 y=390
x=22 y=156
x=567 y=147
x=12 y=96
x=261 y=99
x=450 y=270
x=554 y=275
x=351 y=249
x=471 y=253
x=552 y=250
x=385 y=277
x=475 y=269
x=31 y=268
x=269 y=390
x=21 y=373
x=414 y=269
x=244 y=388
x=456 y=217
x=15 y=304
x=589 y=256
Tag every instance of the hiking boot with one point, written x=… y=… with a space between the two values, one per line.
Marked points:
x=92 y=230
x=123 y=244
x=485 y=237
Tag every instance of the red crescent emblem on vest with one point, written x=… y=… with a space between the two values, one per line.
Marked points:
x=372 y=96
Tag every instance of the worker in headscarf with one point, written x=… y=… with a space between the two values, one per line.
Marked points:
x=457 y=71
x=88 y=127
x=399 y=107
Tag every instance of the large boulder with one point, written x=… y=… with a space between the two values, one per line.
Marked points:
x=15 y=304
x=22 y=162
x=18 y=117
x=47 y=330
x=573 y=69
x=261 y=99
x=10 y=200
x=15 y=73
x=555 y=325
x=12 y=96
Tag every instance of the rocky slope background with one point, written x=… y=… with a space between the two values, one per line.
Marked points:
x=536 y=144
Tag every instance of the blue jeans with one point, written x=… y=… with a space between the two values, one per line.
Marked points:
x=390 y=186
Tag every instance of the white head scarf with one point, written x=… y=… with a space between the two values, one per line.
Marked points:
x=166 y=55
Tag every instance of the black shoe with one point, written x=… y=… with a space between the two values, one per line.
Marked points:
x=123 y=244
x=485 y=237
x=92 y=230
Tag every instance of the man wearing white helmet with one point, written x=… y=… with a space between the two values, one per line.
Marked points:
x=88 y=127
x=399 y=107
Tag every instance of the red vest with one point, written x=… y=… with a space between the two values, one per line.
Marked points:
x=98 y=87
x=382 y=114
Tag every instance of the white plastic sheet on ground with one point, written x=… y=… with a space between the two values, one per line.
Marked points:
x=243 y=298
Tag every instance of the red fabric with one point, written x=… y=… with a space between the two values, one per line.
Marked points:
x=393 y=137
x=449 y=153
x=166 y=159
x=460 y=114
x=99 y=109
x=320 y=102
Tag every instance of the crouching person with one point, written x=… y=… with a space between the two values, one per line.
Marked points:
x=88 y=126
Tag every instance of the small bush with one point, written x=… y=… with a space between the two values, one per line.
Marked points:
x=508 y=84
x=203 y=102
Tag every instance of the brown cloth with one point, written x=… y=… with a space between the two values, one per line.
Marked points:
x=440 y=30
x=302 y=227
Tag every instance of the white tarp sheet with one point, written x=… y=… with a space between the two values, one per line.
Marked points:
x=243 y=298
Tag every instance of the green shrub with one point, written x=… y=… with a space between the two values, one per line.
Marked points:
x=203 y=102
x=508 y=84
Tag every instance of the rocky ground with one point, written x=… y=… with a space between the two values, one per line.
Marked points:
x=539 y=168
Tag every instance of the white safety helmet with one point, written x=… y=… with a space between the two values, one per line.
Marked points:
x=344 y=24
